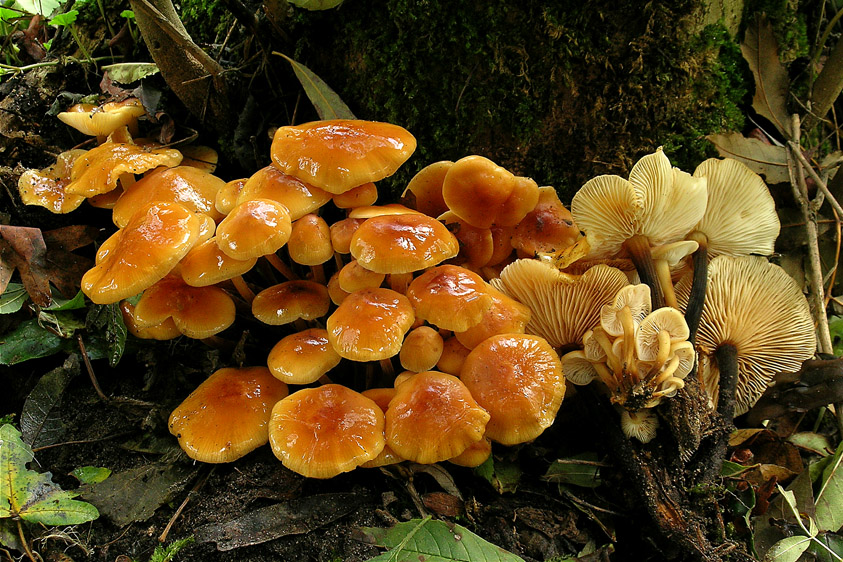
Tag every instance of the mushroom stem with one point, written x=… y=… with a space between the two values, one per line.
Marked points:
x=242 y=288
x=666 y=283
x=667 y=373
x=726 y=356
x=693 y=312
x=282 y=267
x=628 y=342
x=601 y=338
x=664 y=349
x=387 y=368
x=638 y=247
x=318 y=272
x=606 y=376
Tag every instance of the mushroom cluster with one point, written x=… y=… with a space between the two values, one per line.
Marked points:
x=475 y=284
x=399 y=284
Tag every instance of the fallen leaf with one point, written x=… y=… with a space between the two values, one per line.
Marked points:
x=761 y=52
x=290 y=518
x=149 y=486
x=829 y=513
x=91 y=474
x=23 y=248
x=40 y=420
x=764 y=159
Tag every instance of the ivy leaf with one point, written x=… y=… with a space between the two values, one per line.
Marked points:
x=829 y=513
x=435 y=541
x=326 y=101
x=33 y=496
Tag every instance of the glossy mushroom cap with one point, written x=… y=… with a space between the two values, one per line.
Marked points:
x=303 y=357
x=206 y=265
x=325 y=431
x=506 y=316
x=451 y=297
x=310 y=241
x=422 y=349
x=188 y=186
x=254 y=228
x=424 y=192
x=46 y=188
x=563 y=306
x=360 y=196
x=198 y=312
x=271 y=183
x=98 y=170
x=166 y=330
x=227 y=415
x=518 y=379
x=433 y=417
x=548 y=228
x=483 y=193
x=402 y=243
x=757 y=307
x=150 y=245
x=370 y=324
x=291 y=300
x=338 y=155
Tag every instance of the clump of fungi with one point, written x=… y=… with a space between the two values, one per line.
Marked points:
x=475 y=285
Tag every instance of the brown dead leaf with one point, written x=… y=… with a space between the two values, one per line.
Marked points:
x=761 y=52
x=764 y=159
x=44 y=258
x=23 y=248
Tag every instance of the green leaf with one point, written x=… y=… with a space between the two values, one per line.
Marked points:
x=91 y=474
x=40 y=421
x=326 y=101
x=580 y=470
x=829 y=501
x=435 y=541
x=788 y=550
x=813 y=442
x=128 y=14
x=64 y=324
x=316 y=4
x=503 y=476
x=60 y=304
x=13 y=298
x=65 y=19
x=128 y=72
x=29 y=341
x=32 y=496
x=42 y=7
x=835 y=327
x=167 y=553
x=731 y=469
x=109 y=319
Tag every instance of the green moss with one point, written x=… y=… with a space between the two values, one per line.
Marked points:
x=558 y=91
x=789 y=25
x=206 y=20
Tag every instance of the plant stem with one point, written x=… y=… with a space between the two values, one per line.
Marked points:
x=24 y=543
x=75 y=35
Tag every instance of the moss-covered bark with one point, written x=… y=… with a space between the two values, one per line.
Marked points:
x=559 y=91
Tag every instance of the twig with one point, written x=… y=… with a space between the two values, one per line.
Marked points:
x=163 y=537
x=90 y=368
x=82 y=441
x=797 y=153
x=24 y=543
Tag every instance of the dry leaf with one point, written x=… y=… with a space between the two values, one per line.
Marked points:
x=764 y=159
x=23 y=248
x=761 y=51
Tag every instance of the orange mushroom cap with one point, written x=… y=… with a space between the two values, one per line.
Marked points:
x=46 y=187
x=369 y=325
x=271 y=183
x=354 y=277
x=303 y=357
x=483 y=193
x=342 y=232
x=548 y=228
x=132 y=259
x=227 y=415
x=433 y=417
x=254 y=228
x=506 y=316
x=191 y=187
x=325 y=431
x=402 y=243
x=207 y=265
x=421 y=350
x=310 y=241
x=360 y=196
x=450 y=297
x=166 y=330
x=291 y=300
x=338 y=155
x=226 y=198
x=98 y=170
x=453 y=356
x=424 y=192
x=518 y=379
x=198 y=312
x=476 y=245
